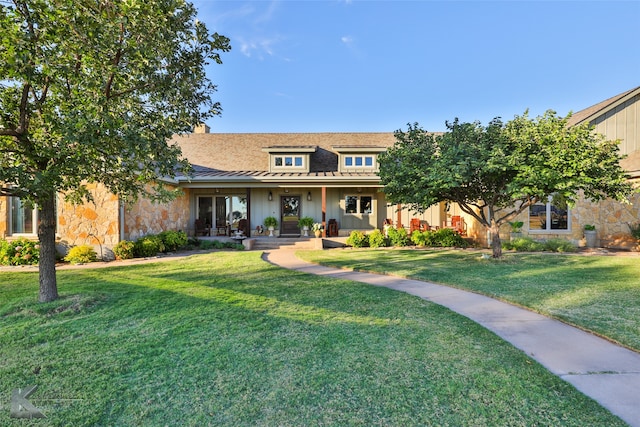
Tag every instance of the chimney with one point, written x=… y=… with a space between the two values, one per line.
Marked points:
x=201 y=128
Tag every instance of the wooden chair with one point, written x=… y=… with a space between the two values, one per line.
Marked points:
x=414 y=225
x=332 y=228
x=222 y=225
x=459 y=225
x=242 y=226
x=202 y=228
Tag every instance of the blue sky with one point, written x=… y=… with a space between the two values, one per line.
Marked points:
x=374 y=66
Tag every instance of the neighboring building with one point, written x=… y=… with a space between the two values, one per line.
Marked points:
x=240 y=179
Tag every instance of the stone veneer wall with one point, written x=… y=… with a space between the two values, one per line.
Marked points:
x=95 y=223
x=146 y=217
x=611 y=219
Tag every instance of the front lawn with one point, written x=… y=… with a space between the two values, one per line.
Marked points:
x=227 y=339
x=597 y=293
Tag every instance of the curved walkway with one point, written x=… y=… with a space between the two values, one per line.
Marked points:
x=607 y=373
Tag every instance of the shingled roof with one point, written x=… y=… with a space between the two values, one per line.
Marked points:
x=590 y=113
x=241 y=155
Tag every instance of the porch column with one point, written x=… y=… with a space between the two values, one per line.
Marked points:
x=399 y=216
x=247 y=232
x=324 y=211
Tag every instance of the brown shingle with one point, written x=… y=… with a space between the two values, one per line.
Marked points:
x=243 y=151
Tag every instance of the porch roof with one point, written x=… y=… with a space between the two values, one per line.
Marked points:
x=211 y=177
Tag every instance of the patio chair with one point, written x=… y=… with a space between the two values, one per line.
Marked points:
x=202 y=228
x=222 y=226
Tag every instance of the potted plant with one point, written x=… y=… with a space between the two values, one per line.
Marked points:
x=305 y=223
x=317 y=229
x=635 y=233
x=271 y=223
x=516 y=229
x=590 y=235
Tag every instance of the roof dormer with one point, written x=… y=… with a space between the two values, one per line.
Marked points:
x=360 y=158
x=289 y=158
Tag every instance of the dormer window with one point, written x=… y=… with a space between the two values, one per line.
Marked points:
x=358 y=158
x=289 y=159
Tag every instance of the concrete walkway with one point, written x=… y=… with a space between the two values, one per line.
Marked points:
x=607 y=373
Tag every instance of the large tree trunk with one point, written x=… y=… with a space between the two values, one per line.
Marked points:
x=47 y=237
x=496 y=244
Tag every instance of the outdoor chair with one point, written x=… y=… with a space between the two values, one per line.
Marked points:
x=202 y=228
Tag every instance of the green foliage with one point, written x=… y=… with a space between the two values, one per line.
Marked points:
x=423 y=238
x=124 y=249
x=91 y=92
x=516 y=226
x=589 y=227
x=270 y=221
x=357 y=239
x=377 y=239
x=19 y=252
x=444 y=237
x=527 y=244
x=81 y=254
x=501 y=167
x=305 y=221
x=173 y=240
x=148 y=246
x=398 y=237
x=559 y=245
x=634 y=229
x=219 y=244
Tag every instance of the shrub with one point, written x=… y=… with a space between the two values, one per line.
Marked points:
x=124 y=249
x=358 y=239
x=447 y=237
x=398 y=237
x=173 y=240
x=423 y=238
x=81 y=254
x=524 y=244
x=148 y=246
x=559 y=245
x=635 y=230
x=19 y=252
x=377 y=239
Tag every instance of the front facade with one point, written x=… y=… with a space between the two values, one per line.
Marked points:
x=238 y=180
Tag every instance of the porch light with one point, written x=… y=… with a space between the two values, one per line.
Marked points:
x=270 y=196
x=309 y=196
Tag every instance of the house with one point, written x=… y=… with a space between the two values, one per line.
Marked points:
x=617 y=118
x=240 y=179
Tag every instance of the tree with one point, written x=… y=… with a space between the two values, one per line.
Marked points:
x=497 y=171
x=90 y=92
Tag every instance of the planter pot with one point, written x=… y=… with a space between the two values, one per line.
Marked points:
x=515 y=235
x=591 y=237
x=271 y=231
x=317 y=233
x=305 y=229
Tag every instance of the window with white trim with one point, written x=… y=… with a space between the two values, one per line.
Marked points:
x=365 y=161
x=288 y=161
x=358 y=205
x=24 y=219
x=554 y=215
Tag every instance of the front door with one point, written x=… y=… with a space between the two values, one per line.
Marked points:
x=290 y=208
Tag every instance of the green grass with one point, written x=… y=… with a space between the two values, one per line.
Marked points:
x=227 y=339
x=597 y=293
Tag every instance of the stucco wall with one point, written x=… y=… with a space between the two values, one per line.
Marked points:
x=146 y=217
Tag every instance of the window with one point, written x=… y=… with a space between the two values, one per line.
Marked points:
x=358 y=205
x=553 y=215
x=24 y=220
x=288 y=161
x=358 y=161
